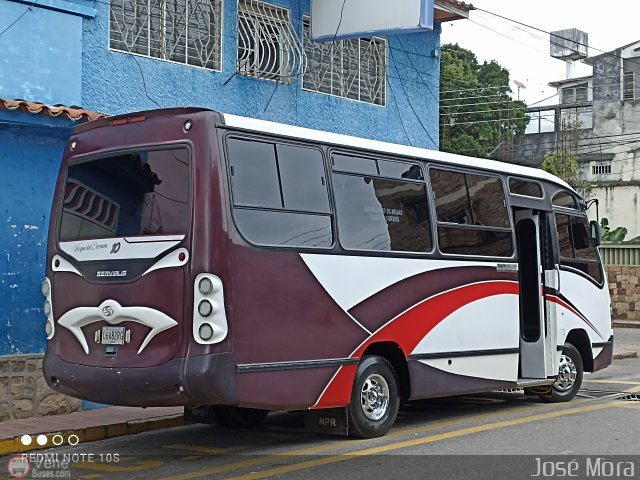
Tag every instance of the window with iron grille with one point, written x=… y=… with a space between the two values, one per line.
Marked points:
x=601 y=169
x=267 y=47
x=183 y=31
x=355 y=69
x=631 y=85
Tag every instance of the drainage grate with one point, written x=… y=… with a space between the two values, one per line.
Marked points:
x=630 y=398
x=587 y=393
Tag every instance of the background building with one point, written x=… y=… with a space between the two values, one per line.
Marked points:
x=597 y=119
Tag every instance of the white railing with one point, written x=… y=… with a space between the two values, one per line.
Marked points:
x=620 y=254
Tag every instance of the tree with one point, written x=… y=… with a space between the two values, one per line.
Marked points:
x=477 y=113
x=563 y=163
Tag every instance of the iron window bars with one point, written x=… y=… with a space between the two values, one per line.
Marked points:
x=355 y=69
x=183 y=31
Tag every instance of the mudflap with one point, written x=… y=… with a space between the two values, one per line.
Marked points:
x=200 y=414
x=333 y=421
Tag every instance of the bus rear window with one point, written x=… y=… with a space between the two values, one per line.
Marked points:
x=138 y=193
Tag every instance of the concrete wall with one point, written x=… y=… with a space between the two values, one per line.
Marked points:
x=30 y=153
x=114 y=82
x=41 y=53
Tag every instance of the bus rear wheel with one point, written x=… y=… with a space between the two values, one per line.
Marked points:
x=374 y=400
x=232 y=416
x=569 y=380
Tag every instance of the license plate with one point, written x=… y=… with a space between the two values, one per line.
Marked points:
x=113 y=335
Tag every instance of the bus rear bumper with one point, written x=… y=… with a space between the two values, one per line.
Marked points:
x=205 y=379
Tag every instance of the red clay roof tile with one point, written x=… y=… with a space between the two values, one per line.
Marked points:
x=75 y=114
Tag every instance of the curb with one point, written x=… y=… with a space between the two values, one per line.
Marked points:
x=622 y=356
x=626 y=324
x=93 y=433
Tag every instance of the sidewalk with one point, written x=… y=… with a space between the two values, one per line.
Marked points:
x=110 y=422
x=87 y=425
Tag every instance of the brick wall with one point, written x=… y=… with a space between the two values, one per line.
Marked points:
x=24 y=392
x=625 y=291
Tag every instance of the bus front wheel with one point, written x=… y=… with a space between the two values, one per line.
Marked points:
x=569 y=380
x=232 y=416
x=374 y=400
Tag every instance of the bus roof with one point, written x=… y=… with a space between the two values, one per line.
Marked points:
x=392 y=148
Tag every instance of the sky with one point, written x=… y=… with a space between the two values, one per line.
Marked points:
x=525 y=52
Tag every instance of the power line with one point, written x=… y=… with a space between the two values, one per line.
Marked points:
x=28 y=9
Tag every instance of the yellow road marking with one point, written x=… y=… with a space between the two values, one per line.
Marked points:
x=633 y=389
x=91 y=476
x=418 y=441
x=343 y=443
x=329 y=446
x=202 y=448
x=191 y=457
x=619 y=382
x=103 y=467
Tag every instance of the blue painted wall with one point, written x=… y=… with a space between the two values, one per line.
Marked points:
x=41 y=50
x=115 y=82
x=31 y=147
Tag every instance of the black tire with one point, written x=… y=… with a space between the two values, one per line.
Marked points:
x=231 y=416
x=374 y=399
x=571 y=371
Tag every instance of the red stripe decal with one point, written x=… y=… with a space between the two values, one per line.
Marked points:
x=409 y=328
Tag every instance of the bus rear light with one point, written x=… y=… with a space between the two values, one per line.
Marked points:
x=205 y=308
x=205 y=286
x=209 y=316
x=205 y=332
x=182 y=256
x=56 y=263
x=124 y=121
x=47 y=308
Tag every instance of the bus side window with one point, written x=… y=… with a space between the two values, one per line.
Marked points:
x=576 y=248
x=380 y=214
x=477 y=204
x=280 y=195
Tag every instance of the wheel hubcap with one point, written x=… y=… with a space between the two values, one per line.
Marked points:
x=566 y=374
x=374 y=397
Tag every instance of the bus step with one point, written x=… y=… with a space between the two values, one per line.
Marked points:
x=534 y=382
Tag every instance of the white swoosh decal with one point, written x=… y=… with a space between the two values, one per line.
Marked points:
x=112 y=312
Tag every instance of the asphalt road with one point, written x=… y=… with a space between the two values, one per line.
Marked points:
x=493 y=435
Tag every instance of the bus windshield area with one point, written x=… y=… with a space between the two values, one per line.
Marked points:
x=144 y=192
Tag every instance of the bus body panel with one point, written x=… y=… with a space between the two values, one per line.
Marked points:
x=299 y=321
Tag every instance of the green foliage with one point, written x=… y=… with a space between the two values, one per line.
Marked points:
x=564 y=164
x=477 y=113
x=617 y=235
x=561 y=163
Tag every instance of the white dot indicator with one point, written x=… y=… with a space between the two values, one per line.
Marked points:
x=25 y=440
x=42 y=440
x=73 y=439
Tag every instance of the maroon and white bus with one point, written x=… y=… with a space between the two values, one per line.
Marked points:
x=237 y=266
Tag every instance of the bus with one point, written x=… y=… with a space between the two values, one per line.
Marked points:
x=236 y=267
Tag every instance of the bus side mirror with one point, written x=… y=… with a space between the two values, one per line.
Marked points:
x=596 y=233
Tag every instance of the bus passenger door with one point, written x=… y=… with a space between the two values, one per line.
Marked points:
x=536 y=333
